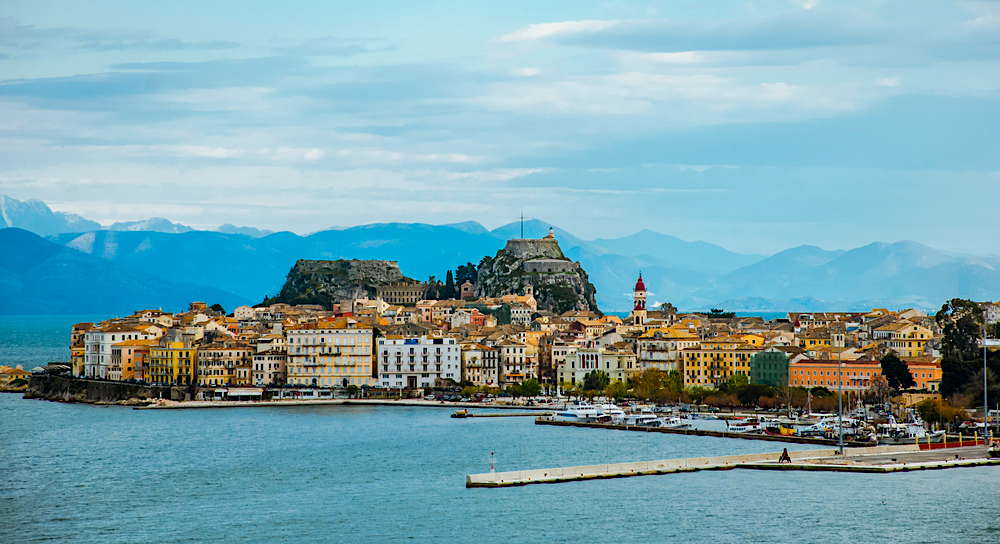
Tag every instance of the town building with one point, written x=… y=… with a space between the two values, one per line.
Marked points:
x=269 y=367
x=218 y=361
x=416 y=362
x=480 y=365
x=713 y=361
x=334 y=353
x=769 y=367
x=98 y=343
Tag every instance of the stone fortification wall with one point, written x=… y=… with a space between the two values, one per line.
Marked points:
x=524 y=249
x=69 y=389
x=559 y=285
x=329 y=282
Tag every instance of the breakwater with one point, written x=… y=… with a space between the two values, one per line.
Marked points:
x=875 y=459
x=69 y=389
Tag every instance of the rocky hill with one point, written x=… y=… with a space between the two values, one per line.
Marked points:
x=559 y=284
x=329 y=282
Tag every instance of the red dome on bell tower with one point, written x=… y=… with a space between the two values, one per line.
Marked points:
x=639 y=286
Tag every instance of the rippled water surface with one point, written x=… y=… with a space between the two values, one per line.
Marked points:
x=78 y=473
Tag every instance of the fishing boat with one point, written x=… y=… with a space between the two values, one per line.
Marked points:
x=906 y=433
x=744 y=425
x=674 y=423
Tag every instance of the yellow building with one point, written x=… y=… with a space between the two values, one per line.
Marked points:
x=905 y=338
x=172 y=362
x=218 y=361
x=128 y=357
x=334 y=353
x=711 y=363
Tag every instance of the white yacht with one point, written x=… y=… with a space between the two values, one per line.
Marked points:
x=581 y=412
x=642 y=418
x=675 y=423
x=616 y=414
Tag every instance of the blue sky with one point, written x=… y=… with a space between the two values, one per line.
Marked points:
x=755 y=125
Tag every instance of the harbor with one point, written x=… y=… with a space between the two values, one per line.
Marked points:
x=878 y=459
x=925 y=443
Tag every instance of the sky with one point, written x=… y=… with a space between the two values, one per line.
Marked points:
x=757 y=125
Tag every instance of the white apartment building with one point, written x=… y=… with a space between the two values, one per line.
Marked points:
x=330 y=353
x=415 y=362
x=97 y=345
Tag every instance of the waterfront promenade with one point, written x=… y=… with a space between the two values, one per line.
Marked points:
x=877 y=459
x=204 y=404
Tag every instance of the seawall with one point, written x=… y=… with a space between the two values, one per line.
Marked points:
x=69 y=389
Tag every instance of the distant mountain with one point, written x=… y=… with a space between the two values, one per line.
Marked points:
x=691 y=275
x=41 y=277
x=35 y=216
x=898 y=275
x=248 y=231
x=153 y=224
x=254 y=268
x=699 y=256
x=472 y=227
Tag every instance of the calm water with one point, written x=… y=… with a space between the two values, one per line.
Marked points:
x=370 y=474
x=37 y=340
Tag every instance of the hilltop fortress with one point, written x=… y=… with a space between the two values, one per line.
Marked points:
x=537 y=267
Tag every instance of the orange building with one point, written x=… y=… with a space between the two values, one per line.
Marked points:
x=926 y=372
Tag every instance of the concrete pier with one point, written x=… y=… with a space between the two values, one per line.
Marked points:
x=880 y=459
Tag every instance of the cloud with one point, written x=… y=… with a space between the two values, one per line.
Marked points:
x=15 y=35
x=805 y=28
x=551 y=30
x=888 y=81
x=337 y=47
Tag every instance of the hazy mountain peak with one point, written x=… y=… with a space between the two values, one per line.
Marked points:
x=35 y=216
x=248 y=231
x=153 y=224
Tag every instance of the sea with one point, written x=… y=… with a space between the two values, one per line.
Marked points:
x=82 y=473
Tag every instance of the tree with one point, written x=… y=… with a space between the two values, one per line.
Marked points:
x=466 y=273
x=449 y=286
x=878 y=392
x=596 y=380
x=962 y=322
x=352 y=390
x=647 y=385
x=674 y=381
x=939 y=411
x=217 y=308
x=530 y=388
x=617 y=390
x=736 y=381
x=896 y=372
x=469 y=391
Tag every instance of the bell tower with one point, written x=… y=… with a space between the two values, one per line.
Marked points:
x=638 y=314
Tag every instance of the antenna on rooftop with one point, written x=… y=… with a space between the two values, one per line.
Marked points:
x=522 y=223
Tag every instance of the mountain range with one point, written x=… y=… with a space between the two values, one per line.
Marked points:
x=244 y=263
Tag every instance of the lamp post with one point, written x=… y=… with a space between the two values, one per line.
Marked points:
x=840 y=394
x=986 y=406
